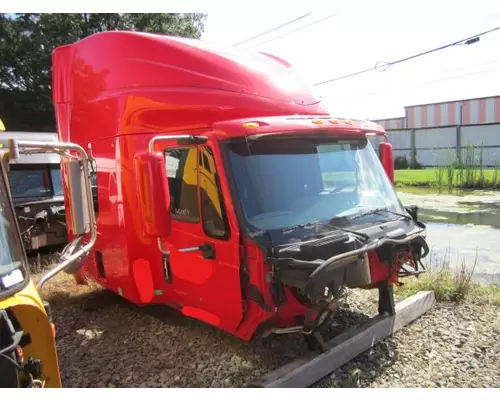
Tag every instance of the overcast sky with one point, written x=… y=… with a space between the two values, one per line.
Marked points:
x=352 y=41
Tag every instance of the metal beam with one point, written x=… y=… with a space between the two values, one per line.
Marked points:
x=307 y=370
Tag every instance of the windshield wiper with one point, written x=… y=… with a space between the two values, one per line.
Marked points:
x=316 y=223
x=378 y=211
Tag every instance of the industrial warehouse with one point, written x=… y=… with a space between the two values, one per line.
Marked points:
x=428 y=132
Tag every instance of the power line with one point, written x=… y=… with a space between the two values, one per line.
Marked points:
x=442 y=79
x=295 y=30
x=433 y=82
x=271 y=30
x=469 y=40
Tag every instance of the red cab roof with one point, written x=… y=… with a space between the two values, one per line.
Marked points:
x=135 y=60
x=116 y=82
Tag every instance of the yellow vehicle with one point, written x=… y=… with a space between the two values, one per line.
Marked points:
x=28 y=353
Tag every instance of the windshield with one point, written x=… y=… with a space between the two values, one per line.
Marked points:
x=55 y=173
x=12 y=258
x=35 y=182
x=287 y=181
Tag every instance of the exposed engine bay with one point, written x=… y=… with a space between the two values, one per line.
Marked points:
x=41 y=224
x=375 y=256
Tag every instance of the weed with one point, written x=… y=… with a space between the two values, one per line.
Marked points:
x=451 y=285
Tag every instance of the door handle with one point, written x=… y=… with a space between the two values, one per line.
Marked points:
x=208 y=250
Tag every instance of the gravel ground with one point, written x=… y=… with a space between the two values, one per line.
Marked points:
x=104 y=341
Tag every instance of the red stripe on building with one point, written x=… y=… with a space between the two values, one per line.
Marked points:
x=423 y=116
x=482 y=111
x=497 y=109
x=410 y=116
x=452 y=115
x=437 y=115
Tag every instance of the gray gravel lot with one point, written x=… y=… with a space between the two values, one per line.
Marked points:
x=104 y=341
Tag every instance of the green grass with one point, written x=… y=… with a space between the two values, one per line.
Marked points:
x=420 y=177
x=452 y=285
x=448 y=287
x=429 y=177
x=463 y=170
x=339 y=176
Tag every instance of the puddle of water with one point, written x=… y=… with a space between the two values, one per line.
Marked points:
x=470 y=244
x=422 y=190
x=466 y=208
x=462 y=226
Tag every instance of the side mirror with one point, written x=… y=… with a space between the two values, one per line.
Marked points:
x=81 y=217
x=413 y=211
x=77 y=218
x=154 y=194
x=387 y=159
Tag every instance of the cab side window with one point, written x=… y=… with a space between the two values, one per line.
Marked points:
x=182 y=176
x=212 y=205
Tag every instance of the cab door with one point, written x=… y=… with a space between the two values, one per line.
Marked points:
x=203 y=275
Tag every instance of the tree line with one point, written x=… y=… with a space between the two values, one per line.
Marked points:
x=26 y=44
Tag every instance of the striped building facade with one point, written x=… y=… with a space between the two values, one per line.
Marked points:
x=478 y=111
x=392 y=123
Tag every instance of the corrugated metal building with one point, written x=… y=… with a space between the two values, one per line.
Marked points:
x=392 y=123
x=479 y=111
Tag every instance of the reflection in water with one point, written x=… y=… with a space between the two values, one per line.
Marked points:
x=427 y=190
x=461 y=227
x=474 y=245
x=476 y=218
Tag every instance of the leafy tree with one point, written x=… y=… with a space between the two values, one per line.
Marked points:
x=26 y=44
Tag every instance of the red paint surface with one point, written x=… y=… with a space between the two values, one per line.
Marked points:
x=437 y=115
x=452 y=115
x=152 y=184
x=482 y=111
x=117 y=90
x=423 y=116
x=380 y=271
x=411 y=117
x=201 y=314
x=141 y=272
x=387 y=159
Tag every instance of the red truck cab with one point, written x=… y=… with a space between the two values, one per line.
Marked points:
x=223 y=187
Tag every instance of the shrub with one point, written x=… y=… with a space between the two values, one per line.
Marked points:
x=401 y=162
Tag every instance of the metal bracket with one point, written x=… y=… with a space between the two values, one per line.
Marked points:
x=386 y=298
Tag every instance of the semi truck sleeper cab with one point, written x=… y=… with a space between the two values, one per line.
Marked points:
x=224 y=188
